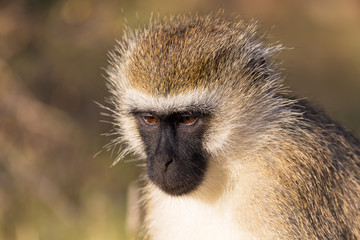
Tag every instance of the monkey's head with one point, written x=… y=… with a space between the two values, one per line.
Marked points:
x=187 y=91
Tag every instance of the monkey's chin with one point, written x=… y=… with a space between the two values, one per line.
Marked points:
x=176 y=186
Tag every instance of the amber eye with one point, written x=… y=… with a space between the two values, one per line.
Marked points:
x=152 y=120
x=188 y=120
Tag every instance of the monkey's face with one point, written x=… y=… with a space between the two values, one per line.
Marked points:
x=176 y=160
x=165 y=78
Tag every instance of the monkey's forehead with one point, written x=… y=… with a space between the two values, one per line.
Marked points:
x=199 y=101
x=178 y=56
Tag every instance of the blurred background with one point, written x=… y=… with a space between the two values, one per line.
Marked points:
x=52 y=55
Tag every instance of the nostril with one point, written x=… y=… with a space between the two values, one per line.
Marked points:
x=166 y=164
x=163 y=162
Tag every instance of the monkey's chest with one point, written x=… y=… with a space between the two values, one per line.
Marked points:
x=189 y=219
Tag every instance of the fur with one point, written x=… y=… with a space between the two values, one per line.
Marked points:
x=278 y=169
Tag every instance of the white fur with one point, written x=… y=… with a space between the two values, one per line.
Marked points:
x=189 y=218
x=164 y=104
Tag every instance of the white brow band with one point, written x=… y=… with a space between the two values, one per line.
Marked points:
x=191 y=101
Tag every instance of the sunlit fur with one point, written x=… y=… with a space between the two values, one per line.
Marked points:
x=277 y=169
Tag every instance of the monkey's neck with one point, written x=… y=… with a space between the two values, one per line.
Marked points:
x=219 y=209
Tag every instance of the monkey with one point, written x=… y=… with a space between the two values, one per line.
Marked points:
x=228 y=152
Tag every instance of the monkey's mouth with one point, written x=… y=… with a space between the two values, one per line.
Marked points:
x=177 y=179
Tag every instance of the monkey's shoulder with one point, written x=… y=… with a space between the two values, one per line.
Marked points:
x=315 y=120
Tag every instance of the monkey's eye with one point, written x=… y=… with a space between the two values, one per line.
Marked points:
x=188 y=120
x=151 y=120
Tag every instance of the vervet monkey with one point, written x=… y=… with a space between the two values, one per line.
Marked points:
x=229 y=154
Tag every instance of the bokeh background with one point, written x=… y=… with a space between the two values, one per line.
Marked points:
x=52 y=55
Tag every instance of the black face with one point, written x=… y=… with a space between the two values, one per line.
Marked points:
x=176 y=161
